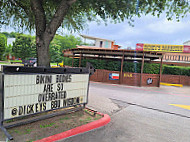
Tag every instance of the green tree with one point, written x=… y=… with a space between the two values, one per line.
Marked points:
x=59 y=43
x=5 y=33
x=8 y=51
x=10 y=35
x=3 y=44
x=69 y=41
x=55 y=52
x=33 y=47
x=13 y=34
x=46 y=16
x=22 y=47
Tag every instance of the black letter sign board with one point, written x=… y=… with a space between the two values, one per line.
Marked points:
x=25 y=91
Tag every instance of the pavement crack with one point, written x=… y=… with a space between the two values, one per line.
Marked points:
x=120 y=107
x=138 y=105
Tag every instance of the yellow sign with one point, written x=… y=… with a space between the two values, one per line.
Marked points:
x=163 y=47
x=128 y=75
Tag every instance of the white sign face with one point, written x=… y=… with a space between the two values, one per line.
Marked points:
x=26 y=94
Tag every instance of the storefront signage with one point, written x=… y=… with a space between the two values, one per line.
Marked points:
x=128 y=75
x=23 y=92
x=28 y=94
x=162 y=48
x=31 y=90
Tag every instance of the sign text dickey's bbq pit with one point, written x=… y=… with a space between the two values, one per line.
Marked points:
x=26 y=91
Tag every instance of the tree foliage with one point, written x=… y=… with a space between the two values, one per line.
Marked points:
x=8 y=51
x=23 y=47
x=10 y=35
x=25 y=44
x=67 y=41
x=46 y=16
x=131 y=67
x=59 y=43
x=82 y=10
x=3 y=44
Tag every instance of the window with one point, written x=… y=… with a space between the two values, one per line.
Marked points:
x=101 y=43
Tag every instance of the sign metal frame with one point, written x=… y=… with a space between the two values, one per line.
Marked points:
x=13 y=70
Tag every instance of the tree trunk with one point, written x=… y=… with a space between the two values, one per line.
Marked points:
x=46 y=31
x=43 y=56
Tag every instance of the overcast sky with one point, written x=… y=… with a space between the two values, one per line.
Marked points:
x=147 y=29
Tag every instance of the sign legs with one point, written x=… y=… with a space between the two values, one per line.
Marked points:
x=5 y=131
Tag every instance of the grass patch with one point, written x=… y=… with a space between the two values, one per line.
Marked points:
x=9 y=121
x=30 y=141
x=53 y=64
x=56 y=126
x=47 y=125
x=65 y=118
x=28 y=131
x=4 y=63
x=16 y=61
x=51 y=126
x=17 y=131
x=96 y=118
x=88 y=118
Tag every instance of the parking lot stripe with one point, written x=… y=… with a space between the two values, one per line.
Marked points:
x=181 y=106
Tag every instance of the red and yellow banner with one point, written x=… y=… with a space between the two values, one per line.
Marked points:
x=162 y=48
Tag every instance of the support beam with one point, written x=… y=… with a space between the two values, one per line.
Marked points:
x=142 y=67
x=160 y=75
x=72 y=61
x=121 y=72
x=80 y=60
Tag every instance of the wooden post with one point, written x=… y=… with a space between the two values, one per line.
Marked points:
x=72 y=61
x=160 y=75
x=142 y=67
x=80 y=60
x=121 y=72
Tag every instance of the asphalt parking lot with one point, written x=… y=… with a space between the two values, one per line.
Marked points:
x=139 y=114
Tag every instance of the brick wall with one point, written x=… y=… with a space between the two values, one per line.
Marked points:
x=133 y=79
x=176 y=79
x=185 y=80
x=103 y=76
x=154 y=77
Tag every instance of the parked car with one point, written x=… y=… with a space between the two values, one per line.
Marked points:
x=30 y=62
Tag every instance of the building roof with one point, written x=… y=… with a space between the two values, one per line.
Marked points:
x=177 y=63
x=111 y=54
x=91 y=47
x=186 y=42
x=94 y=38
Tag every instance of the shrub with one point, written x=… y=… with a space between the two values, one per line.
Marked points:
x=176 y=70
x=3 y=44
x=130 y=66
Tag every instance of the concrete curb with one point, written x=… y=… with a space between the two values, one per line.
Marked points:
x=78 y=130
